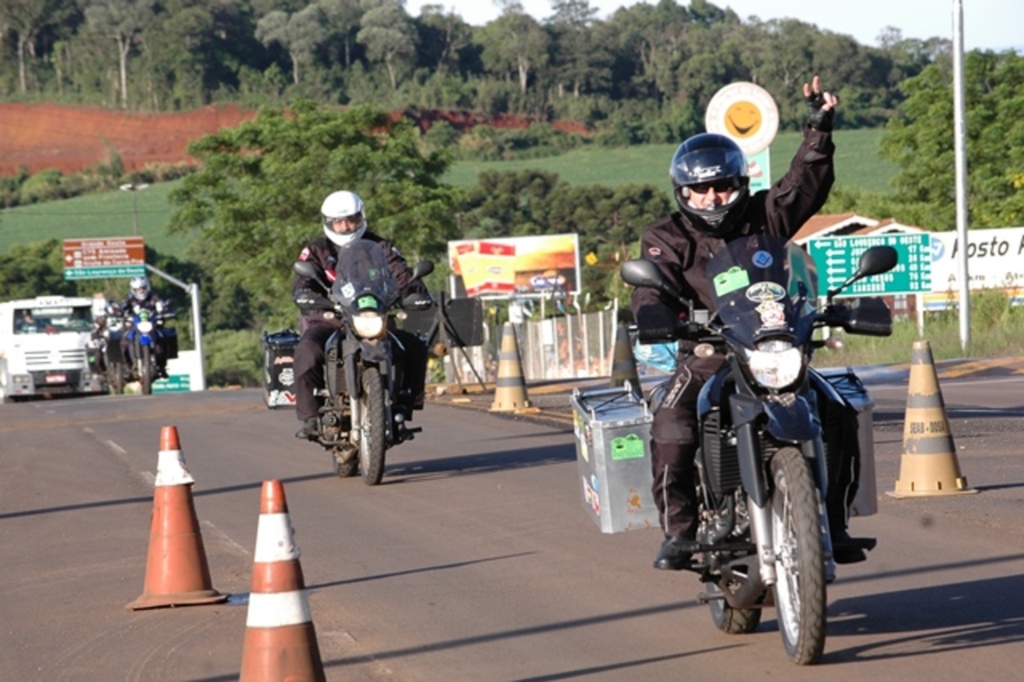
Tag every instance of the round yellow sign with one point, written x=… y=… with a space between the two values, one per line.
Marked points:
x=746 y=113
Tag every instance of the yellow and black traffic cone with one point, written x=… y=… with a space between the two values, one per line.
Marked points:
x=510 y=388
x=928 y=465
x=623 y=363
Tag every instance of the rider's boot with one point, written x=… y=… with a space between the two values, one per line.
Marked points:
x=310 y=429
x=675 y=496
x=845 y=549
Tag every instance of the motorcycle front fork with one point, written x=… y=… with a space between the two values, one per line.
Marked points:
x=761 y=521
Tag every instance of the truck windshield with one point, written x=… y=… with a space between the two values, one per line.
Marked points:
x=52 y=320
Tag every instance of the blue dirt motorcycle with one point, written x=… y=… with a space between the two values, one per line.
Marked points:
x=148 y=339
x=768 y=448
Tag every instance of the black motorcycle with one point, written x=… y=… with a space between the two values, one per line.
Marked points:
x=359 y=419
x=765 y=454
x=103 y=349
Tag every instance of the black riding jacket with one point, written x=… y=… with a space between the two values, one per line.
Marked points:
x=322 y=252
x=682 y=252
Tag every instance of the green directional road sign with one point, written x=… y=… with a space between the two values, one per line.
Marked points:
x=104 y=271
x=172 y=384
x=837 y=257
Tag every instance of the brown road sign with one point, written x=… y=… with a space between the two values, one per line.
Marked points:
x=104 y=257
x=104 y=251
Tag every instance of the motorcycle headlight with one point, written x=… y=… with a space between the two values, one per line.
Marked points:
x=368 y=325
x=775 y=363
x=145 y=326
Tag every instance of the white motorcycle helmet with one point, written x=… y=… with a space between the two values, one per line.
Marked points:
x=139 y=287
x=339 y=205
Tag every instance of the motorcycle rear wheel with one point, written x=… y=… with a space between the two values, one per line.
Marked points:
x=371 y=427
x=800 y=591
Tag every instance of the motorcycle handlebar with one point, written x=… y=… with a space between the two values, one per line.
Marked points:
x=688 y=331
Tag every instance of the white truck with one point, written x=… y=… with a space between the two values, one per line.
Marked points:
x=43 y=344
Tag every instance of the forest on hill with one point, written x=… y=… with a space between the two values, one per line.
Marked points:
x=644 y=74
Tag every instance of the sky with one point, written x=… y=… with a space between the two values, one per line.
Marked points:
x=987 y=24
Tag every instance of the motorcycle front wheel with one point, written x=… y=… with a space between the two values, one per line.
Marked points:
x=800 y=558
x=115 y=377
x=146 y=369
x=371 y=427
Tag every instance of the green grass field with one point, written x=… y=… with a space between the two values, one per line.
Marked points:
x=857 y=163
x=107 y=214
x=112 y=214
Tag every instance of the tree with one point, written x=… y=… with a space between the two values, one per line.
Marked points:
x=124 y=21
x=299 y=34
x=36 y=269
x=341 y=18
x=579 y=60
x=514 y=45
x=442 y=35
x=921 y=142
x=256 y=200
x=655 y=36
x=388 y=35
x=26 y=18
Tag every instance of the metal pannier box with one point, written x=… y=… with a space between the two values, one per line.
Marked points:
x=612 y=428
x=856 y=398
x=278 y=368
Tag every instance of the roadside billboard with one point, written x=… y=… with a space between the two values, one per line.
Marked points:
x=995 y=260
x=516 y=266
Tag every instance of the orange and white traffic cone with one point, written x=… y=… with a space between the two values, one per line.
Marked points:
x=176 y=570
x=929 y=465
x=280 y=641
x=510 y=388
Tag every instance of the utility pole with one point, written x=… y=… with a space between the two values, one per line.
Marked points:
x=960 y=151
x=132 y=187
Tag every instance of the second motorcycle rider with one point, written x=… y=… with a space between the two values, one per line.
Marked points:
x=344 y=223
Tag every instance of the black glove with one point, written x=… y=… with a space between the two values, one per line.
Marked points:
x=656 y=323
x=647 y=335
x=818 y=118
x=417 y=302
x=307 y=299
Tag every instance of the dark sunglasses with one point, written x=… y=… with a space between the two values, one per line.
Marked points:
x=726 y=185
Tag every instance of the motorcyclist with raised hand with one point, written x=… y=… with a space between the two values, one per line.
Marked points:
x=710 y=184
x=141 y=296
x=344 y=223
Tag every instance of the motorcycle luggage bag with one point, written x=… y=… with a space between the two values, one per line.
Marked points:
x=848 y=437
x=113 y=348
x=170 y=341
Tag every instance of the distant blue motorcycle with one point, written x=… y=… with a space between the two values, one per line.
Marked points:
x=148 y=340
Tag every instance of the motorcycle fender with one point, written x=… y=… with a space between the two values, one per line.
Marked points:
x=351 y=378
x=745 y=411
x=373 y=351
x=794 y=423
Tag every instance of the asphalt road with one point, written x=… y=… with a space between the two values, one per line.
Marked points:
x=474 y=560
